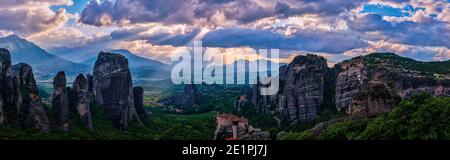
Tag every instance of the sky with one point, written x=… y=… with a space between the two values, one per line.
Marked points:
x=156 y=29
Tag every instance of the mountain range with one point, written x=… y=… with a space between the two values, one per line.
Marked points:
x=46 y=64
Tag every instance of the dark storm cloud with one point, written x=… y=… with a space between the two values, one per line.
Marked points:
x=320 y=7
x=313 y=41
x=188 y=11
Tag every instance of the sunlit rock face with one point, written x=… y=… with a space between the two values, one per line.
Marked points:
x=113 y=88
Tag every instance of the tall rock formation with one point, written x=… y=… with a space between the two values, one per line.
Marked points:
x=5 y=67
x=113 y=88
x=82 y=101
x=60 y=102
x=373 y=84
x=26 y=76
x=189 y=99
x=36 y=116
x=138 y=93
x=301 y=90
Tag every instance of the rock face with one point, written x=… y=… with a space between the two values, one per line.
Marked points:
x=303 y=85
x=351 y=77
x=27 y=81
x=60 y=102
x=373 y=99
x=373 y=84
x=231 y=127
x=301 y=90
x=36 y=115
x=36 y=118
x=90 y=86
x=82 y=101
x=138 y=93
x=113 y=88
x=5 y=71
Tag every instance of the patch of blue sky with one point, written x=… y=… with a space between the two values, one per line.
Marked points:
x=385 y=10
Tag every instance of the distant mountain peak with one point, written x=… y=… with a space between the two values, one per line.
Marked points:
x=13 y=36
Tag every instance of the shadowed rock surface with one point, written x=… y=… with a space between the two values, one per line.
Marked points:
x=113 y=88
x=138 y=93
x=373 y=84
x=36 y=116
x=301 y=90
x=27 y=81
x=60 y=102
x=82 y=100
x=5 y=67
x=189 y=99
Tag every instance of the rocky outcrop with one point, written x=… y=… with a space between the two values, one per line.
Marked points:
x=351 y=77
x=90 y=87
x=373 y=99
x=301 y=93
x=189 y=99
x=5 y=70
x=138 y=93
x=36 y=118
x=301 y=90
x=27 y=81
x=113 y=88
x=27 y=94
x=232 y=127
x=373 y=84
x=60 y=102
x=82 y=101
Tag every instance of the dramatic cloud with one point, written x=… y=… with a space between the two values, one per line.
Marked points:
x=338 y=29
x=206 y=12
x=304 y=40
x=422 y=32
x=28 y=17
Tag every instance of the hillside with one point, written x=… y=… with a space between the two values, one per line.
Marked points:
x=44 y=64
x=421 y=117
x=395 y=61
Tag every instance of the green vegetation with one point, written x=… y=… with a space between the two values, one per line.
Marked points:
x=159 y=127
x=408 y=63
x=421 y=117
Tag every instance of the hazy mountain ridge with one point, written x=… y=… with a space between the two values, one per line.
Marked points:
x=44 y=63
